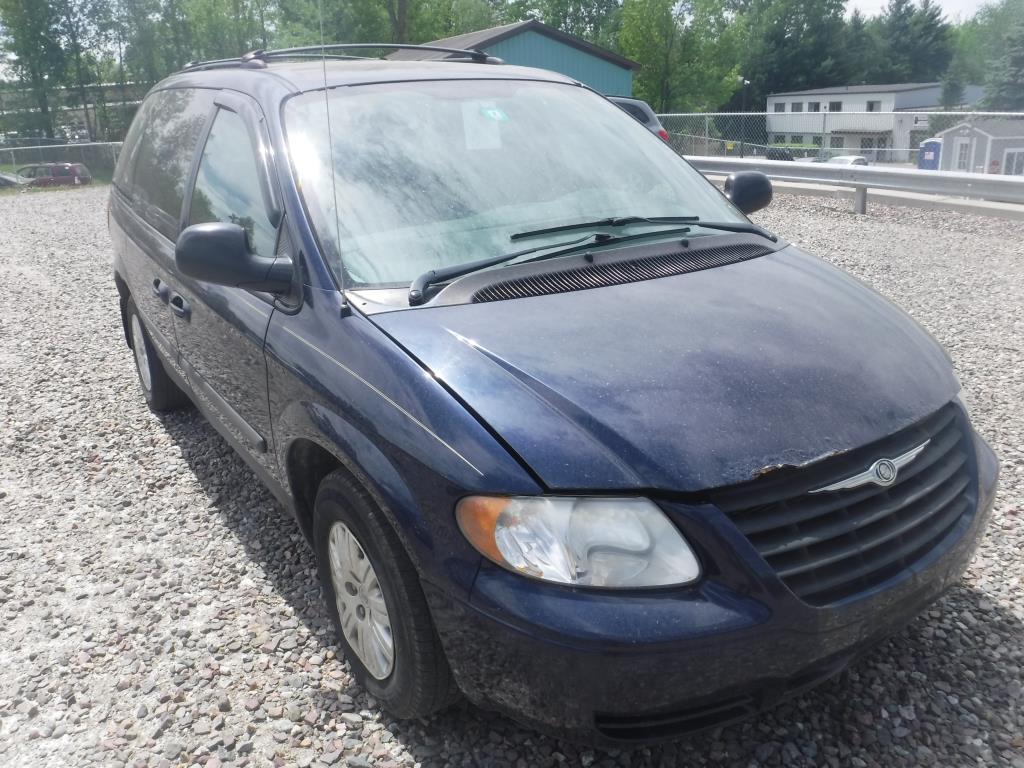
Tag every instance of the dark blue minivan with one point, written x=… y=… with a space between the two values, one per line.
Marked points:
x=569 y=434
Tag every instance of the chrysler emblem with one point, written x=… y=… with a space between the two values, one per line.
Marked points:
x=883 y=472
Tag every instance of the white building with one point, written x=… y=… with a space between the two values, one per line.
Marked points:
x=872 y=120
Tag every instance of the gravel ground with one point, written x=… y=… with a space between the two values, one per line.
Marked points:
x=157 y=607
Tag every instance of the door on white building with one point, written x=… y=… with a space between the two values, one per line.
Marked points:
x=961 y=153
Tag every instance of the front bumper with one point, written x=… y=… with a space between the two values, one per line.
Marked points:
x=613 y=668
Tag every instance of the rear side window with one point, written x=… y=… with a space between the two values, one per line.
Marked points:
x=63 y=170
x=166 y=149
x=227 y=185
x=130 y=148
x=635 y=111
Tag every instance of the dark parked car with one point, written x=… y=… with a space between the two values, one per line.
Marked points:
x=642 y=111
x=566 y=430
x=56 y=174
x=778 y=153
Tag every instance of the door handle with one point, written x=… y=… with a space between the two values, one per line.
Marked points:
x=160 y=290
x=180 y=307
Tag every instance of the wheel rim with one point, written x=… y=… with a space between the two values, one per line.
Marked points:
x=141 y=357
x=361 y=606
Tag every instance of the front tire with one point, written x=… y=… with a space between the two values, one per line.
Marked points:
x=374 y=596
x=160 y=391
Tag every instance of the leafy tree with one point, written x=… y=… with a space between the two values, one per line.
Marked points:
x=30 y=35
x=687 y=52
x=893 y=31
x=930 y=45
x=980 y=40
x=858 y=50
x=79 y=27
x=792 y=45
x=1004 y=88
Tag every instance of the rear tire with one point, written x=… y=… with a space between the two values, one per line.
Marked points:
x=379 y=586
x=160 y=391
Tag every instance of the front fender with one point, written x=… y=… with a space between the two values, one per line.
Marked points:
x=339 y=382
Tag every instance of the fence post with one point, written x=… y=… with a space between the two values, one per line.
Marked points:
x=860 y=200
x=707 y=147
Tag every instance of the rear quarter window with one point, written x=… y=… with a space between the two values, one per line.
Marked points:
x=173 y=125
x=130 y=148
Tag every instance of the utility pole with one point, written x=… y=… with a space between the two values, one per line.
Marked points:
x=743 y=119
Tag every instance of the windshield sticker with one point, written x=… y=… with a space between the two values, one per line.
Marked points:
x=481 y=124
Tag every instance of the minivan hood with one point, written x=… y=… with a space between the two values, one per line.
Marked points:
x=688 y=382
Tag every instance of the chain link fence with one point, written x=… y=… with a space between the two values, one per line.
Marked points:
x=99 y=157
x=979 y=142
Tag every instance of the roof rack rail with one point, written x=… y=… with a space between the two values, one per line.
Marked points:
x=258 y=59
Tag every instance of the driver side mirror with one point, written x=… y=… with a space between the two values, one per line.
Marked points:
x=218 y=252
x=748 y=190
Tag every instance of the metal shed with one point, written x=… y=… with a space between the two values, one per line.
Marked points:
x=988 y=145
x=533 y=44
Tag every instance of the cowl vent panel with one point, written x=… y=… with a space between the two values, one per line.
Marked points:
x=619 y=272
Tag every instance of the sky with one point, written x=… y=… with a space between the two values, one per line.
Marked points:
x=954 y=8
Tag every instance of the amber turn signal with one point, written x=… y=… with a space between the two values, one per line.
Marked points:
x=478 y=519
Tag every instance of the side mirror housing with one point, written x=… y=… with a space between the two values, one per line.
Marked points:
x=219 y=253
x=748 y=190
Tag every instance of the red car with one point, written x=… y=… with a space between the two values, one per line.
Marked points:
x=56 y=174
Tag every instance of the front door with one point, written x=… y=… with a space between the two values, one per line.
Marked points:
x=962 y=153
x=147 y=202
x=220 y=329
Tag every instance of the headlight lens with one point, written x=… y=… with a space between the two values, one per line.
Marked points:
x=582 y=541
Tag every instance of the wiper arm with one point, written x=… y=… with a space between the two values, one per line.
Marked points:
x=616 y=221
x=736 y=226
x=418 y=289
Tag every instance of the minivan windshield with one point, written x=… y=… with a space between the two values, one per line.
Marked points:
x=401 y=178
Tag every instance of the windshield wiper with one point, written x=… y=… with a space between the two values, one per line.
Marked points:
x=615 y=221
x=418 y=288
x=622 y=221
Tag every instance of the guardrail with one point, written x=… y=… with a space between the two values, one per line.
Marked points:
x=977 y=186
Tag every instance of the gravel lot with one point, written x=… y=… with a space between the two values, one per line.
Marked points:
x=157 y=607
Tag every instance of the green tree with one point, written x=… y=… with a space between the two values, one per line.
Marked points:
x=980 y=41
x=858 y=50
x=1004 y=88
x=792 y=45
x=30 y=35
x=687 y=53
x=930 y=45
x=79 y=24
x=893 y=31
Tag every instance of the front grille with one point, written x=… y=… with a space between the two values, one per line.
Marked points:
x=827 y=547
x=618 y=272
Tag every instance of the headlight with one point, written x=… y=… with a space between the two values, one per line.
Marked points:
x=586 y=542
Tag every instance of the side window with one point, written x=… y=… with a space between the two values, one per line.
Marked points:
x=166 y=149
x=227 y=185
x=130 y=148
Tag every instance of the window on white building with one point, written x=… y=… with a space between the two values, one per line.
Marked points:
x=835 y=106
x=835 y=142
x=874 y=106
x=778 y=138
x=1014 y=165
x=780 y=106
x=796 y=138
x=814 y=106
x=816 y=140
x=796 y=106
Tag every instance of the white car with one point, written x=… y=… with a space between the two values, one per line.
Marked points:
x=849 y=160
